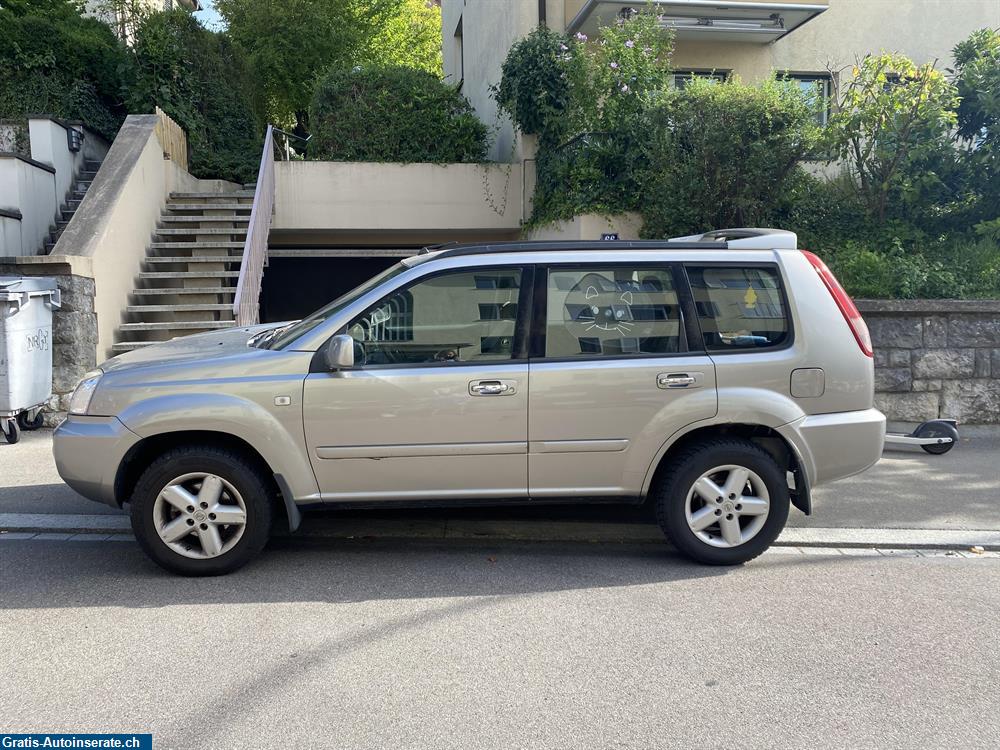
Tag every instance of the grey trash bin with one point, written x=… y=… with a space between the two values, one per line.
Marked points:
x=26 y=305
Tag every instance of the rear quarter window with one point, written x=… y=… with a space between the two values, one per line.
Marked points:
x=740 y=307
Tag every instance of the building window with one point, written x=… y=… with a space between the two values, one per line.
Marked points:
x=683 y=77
x=817 y=89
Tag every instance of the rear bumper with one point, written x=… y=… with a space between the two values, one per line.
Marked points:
x=88 y=452
x=834 y=446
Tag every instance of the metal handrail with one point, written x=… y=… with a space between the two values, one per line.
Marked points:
x=246 y=304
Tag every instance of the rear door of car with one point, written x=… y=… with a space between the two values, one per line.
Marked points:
x=616 y=369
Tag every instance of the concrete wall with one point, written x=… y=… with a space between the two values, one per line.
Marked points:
x=50 y=145
x=936 y=358
x=347 y=199
x=28 y=187
x=489 y=28
x=116 y=218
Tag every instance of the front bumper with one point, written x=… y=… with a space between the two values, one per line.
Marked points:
x=88 y=452
x=837 y=445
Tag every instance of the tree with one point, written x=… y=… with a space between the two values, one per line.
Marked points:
x=410 y=37
x=198 y=78
x=892 y=115
x=289 y=43
x=56 y=61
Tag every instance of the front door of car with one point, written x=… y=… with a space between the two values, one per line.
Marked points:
x=436 y=404
x=612 y=377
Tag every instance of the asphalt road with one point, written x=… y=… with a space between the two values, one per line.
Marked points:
x=475 y=645
x=906 y=489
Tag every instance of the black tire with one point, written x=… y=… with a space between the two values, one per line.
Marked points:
x=11 y=432
x=935 y=429
x=233 y=467
x=671 y=491
x=29 y=424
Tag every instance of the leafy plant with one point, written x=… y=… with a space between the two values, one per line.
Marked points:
x=722 y=154
x=56 y=61
x=393 y=114
x=891 y=115
x=533 y=89
x=198 y=78
x=291 y=43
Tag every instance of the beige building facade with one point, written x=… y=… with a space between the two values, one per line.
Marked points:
x=814 y=41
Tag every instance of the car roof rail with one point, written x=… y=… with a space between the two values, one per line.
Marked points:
x=747 y=238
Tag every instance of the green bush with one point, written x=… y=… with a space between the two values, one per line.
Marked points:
x=722 y=154
x=197 y=78
x=57 y=62
x=393 y=114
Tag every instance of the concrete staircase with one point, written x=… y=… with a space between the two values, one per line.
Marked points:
x=191 y=269
x=81 y=185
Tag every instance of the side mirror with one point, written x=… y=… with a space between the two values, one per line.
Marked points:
x=340 y=353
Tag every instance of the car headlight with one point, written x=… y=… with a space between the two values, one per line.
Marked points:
x=79 y=402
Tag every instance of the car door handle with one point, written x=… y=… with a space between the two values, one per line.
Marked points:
x=492 y=387
x=678 y=380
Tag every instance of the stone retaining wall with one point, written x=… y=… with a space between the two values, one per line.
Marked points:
x=936 y=358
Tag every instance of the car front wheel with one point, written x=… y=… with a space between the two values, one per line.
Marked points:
x=201 y=511
x=722 y=502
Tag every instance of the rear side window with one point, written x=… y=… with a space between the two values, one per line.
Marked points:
x=739 y=307
x=611 y=310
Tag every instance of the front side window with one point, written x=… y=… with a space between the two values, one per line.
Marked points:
x=466 y=316
x=739 y=308
x=611 y=310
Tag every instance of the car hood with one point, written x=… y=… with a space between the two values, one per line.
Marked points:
x=187 y=348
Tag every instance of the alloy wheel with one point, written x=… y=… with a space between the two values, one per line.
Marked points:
x=727 y=506
x=199 y=515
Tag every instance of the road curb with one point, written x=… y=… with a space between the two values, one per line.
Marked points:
x=355 y=527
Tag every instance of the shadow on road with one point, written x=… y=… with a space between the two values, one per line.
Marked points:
x=52 y=574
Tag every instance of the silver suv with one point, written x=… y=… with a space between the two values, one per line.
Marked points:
x=721 y=377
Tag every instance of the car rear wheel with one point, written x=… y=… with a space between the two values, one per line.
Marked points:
x=201 y=511
x=722 y=502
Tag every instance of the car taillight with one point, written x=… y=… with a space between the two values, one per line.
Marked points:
x=850 y=311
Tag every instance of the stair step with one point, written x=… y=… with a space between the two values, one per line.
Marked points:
x=235 y=194
x=189 y=275
x=203 y=230
x=177 y=325
x=86 y=175
x=209 y=206
x=194 y=259
x=178 y=308
x=92 y=165
x=162 y=291
x=195 y=245
x=74 y=202
x=67 y=213
x=128 y=346
x=205 y=219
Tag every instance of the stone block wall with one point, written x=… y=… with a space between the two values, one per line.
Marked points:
x=74 y=334
x=936 y=358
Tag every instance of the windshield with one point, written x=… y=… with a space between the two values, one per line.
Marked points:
x=289 y=333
